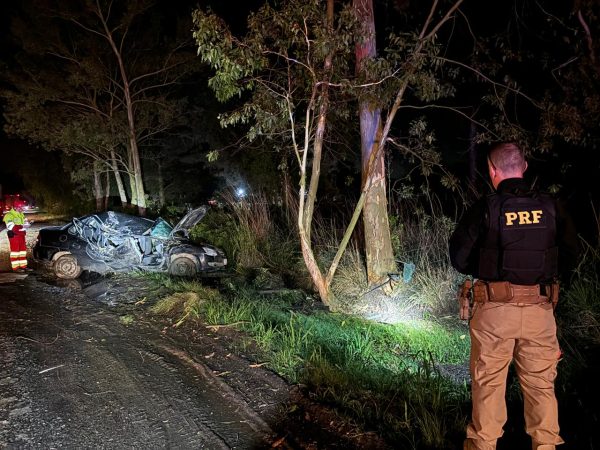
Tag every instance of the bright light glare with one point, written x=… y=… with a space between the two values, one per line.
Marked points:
x=397 y=308
x=240 y=192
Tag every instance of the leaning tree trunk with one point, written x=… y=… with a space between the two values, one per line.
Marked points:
x=161 y=184
x=307 y=203
x=98 y=196
x=134 y=152
x=378 y=244
x=118 y=179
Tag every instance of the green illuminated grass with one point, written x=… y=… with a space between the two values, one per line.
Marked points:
x=384 y=376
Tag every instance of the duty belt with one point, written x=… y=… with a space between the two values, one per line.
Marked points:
x=506 y=292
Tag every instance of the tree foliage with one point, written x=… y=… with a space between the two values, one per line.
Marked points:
x=293 y=70
x=98 y=79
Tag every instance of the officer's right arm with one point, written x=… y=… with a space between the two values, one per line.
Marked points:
x=464 y=239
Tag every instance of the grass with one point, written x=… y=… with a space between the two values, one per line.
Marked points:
x=384 y=376
x=127 y=319
x=424 y=242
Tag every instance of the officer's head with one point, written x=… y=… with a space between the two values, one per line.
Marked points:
x=506 y=160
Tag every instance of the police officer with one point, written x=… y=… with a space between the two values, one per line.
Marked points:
x=510 y=241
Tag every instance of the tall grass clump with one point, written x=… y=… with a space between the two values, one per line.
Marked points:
x=578 y=323
x=579 y=303
x=350 y=280
x=254 y=234
x=418 y=239
x=423 y=241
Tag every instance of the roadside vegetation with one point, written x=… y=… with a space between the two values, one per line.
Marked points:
x=389 y=359
x=387 y=377
x=393 y=360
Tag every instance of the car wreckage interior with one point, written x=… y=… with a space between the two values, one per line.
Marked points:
x=121 y=240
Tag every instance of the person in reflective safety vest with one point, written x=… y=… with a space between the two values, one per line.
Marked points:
x=16 y=229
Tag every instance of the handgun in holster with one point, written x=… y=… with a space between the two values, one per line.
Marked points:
x=464 y=300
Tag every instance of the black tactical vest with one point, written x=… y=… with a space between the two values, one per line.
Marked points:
x=520 y=242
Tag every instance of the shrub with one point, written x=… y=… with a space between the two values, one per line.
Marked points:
x=424 y=242
x=216 y=228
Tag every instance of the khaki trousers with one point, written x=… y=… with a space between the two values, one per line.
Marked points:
x=525 y=333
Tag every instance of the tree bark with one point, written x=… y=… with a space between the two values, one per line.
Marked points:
x=106 y=190
x=97 y=186
x=140 y=195
x=118 y=179
x=378 y=244
x=161 y=184
x=306 y=206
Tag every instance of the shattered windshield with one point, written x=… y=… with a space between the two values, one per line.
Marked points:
x=161 y=228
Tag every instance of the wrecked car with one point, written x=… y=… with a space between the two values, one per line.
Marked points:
x=116 y=242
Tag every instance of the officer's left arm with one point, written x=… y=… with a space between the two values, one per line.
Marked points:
x=569 y=248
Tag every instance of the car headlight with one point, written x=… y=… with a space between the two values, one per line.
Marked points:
x=209 y=251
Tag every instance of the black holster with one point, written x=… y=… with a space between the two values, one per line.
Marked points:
x=464 y=300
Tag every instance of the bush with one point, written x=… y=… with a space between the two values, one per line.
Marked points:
x=424 y=242
x=252 y=239
x=216 y=228
x=579 y=304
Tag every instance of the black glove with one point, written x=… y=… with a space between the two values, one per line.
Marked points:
x=10 y=233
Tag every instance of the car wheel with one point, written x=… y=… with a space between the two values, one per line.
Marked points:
x=66 y=267
x=182 y=267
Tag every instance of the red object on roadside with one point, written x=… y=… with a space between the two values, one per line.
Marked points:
x=13 y=201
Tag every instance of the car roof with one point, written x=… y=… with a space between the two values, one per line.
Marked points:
x=118 y=220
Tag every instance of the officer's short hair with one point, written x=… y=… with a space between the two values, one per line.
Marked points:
x=508 y=157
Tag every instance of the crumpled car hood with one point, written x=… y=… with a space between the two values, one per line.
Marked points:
x=187 y=223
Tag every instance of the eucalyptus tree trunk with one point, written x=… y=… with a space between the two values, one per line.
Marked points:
x=161 y=184
x=134 y=153
x=118 y=179
x=378 y=244
x=306 y=205
x=98 y=196
x=106 y=190
x=132 y=187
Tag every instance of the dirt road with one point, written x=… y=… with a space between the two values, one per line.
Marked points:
x=75 y=376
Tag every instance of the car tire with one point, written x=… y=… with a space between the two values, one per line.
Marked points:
x=67 y=267
x=182 y=267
